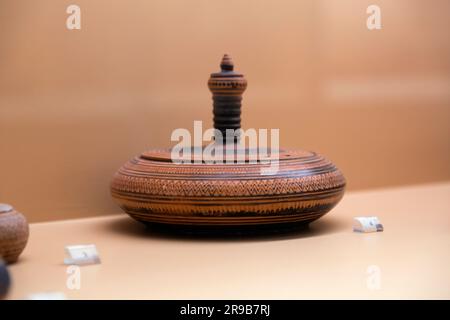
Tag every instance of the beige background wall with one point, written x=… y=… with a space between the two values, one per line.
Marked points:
x=75 y=105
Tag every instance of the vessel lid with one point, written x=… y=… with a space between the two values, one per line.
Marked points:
x=227 y=87
x=5 y=208
x=164 y=155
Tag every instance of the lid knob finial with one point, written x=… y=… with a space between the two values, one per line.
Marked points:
x=227 y=63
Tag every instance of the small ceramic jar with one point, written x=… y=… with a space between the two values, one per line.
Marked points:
x=13 y=233
x=5 y=280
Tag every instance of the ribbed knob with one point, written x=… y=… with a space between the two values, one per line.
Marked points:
x=227 y=88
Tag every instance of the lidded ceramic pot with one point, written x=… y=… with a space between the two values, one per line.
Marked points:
x=153 y=188
x=5 y=279
x=13 y=233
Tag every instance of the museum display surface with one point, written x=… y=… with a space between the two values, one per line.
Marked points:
x=326 y=261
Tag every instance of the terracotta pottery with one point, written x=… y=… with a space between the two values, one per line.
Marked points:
x=13 y=233
x=151 y=188
x=5 y=280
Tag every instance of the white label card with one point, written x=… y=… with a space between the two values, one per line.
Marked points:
x=46 y=296
x=367 y=224
x=82 y=254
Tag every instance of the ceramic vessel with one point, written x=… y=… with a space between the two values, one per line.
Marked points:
x=151 y=188
x=5 y=280
x=13 y=233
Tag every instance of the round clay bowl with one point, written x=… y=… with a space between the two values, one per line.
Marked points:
x=153 y=189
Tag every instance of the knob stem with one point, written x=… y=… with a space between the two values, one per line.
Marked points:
x=227 y=87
